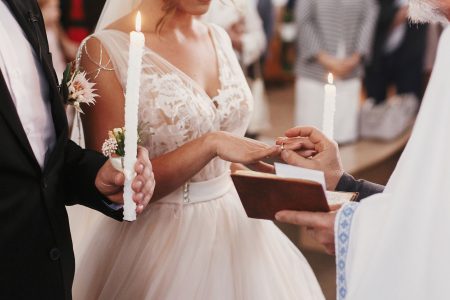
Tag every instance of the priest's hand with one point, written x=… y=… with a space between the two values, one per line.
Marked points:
x=309 y=148
x=110 y=182
x=319 y=225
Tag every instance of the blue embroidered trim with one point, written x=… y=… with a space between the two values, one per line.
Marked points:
x=342 y=236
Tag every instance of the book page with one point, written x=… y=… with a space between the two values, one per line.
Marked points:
x=288 y=171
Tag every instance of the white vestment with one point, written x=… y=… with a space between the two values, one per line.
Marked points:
x=396 y=245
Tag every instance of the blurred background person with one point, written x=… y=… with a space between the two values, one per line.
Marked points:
x=398 y=53
x=241 y=20
x=334 y=37
x=51 y=13
x=79 y=17
x=78 y=20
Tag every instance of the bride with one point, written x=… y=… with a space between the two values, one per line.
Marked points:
x=194 y=241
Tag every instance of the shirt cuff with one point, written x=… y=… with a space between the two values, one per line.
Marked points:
x=112 y=205
x=346 y=183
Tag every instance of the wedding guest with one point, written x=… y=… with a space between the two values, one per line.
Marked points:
x=398 y=53
x=51 y=13
x=79 y=17
x=244 y=26
x=61 y=47
x=267 y=14
x=59 y=44
x=40 y=170
x=334 y=37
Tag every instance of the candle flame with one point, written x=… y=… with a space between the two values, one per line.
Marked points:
x=138 y=22
x=330 y=78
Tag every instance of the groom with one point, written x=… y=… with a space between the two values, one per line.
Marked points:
x=40 y=170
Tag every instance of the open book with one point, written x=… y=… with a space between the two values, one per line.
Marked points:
x=263 y=195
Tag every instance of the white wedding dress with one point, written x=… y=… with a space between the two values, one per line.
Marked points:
x=197 y=242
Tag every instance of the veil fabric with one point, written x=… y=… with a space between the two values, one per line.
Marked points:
x=396 y=245
x=114 y=10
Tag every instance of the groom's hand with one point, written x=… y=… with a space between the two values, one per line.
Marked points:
x=110 y=182
x=319 y=225
x=309 y=148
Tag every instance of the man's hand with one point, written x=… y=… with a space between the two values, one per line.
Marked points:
x=110 y=182
x=319 y=225
x=339 y=67
x=314 y=151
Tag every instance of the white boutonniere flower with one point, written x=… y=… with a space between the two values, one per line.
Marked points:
x=77 y=89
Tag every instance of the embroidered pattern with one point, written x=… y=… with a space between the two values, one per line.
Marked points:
x=174 y=109
x=342 y=238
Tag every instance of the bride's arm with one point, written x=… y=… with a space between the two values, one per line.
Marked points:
x=172 y=169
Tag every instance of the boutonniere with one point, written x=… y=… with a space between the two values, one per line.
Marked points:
x=76 y=88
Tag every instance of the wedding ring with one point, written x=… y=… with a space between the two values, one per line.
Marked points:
x=282 y=146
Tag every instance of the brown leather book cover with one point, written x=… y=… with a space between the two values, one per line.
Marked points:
x=263 y=195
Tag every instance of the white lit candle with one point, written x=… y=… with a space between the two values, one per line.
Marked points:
x=137 y=42
x=329 y=107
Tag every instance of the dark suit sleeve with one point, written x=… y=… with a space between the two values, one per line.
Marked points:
x=80 y=170
x=348 y=183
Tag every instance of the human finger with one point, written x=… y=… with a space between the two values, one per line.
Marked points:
x=292 y=158
x=306 y=153
x=138 y=198
x=305 y=142
x=139 y=209
x=301 y=218
x=314 y=134
x=297 y=146
x=263 y=167
x=335 y=207
x=138 y=183
x=119 y=179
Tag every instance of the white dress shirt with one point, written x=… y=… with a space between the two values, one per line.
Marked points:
x=27 y=85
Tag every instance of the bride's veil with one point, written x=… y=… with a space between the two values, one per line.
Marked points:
x=114 y=10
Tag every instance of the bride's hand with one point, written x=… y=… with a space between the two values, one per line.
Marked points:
x=241 y=150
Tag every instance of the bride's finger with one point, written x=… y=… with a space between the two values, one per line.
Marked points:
x=263 y=167
x=296 y=140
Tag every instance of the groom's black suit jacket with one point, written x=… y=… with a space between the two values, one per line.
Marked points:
x=36 y=256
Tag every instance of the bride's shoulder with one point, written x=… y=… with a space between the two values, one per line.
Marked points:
x=220 y=33
x=94 y=54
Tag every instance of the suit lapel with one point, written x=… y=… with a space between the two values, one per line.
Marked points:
x=29 y=18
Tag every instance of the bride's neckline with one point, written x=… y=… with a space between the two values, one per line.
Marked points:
x=184 y=74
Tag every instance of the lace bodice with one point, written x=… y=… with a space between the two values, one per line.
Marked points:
x=174 y=109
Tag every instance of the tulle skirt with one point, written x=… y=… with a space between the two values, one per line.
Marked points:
x=207 y=249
